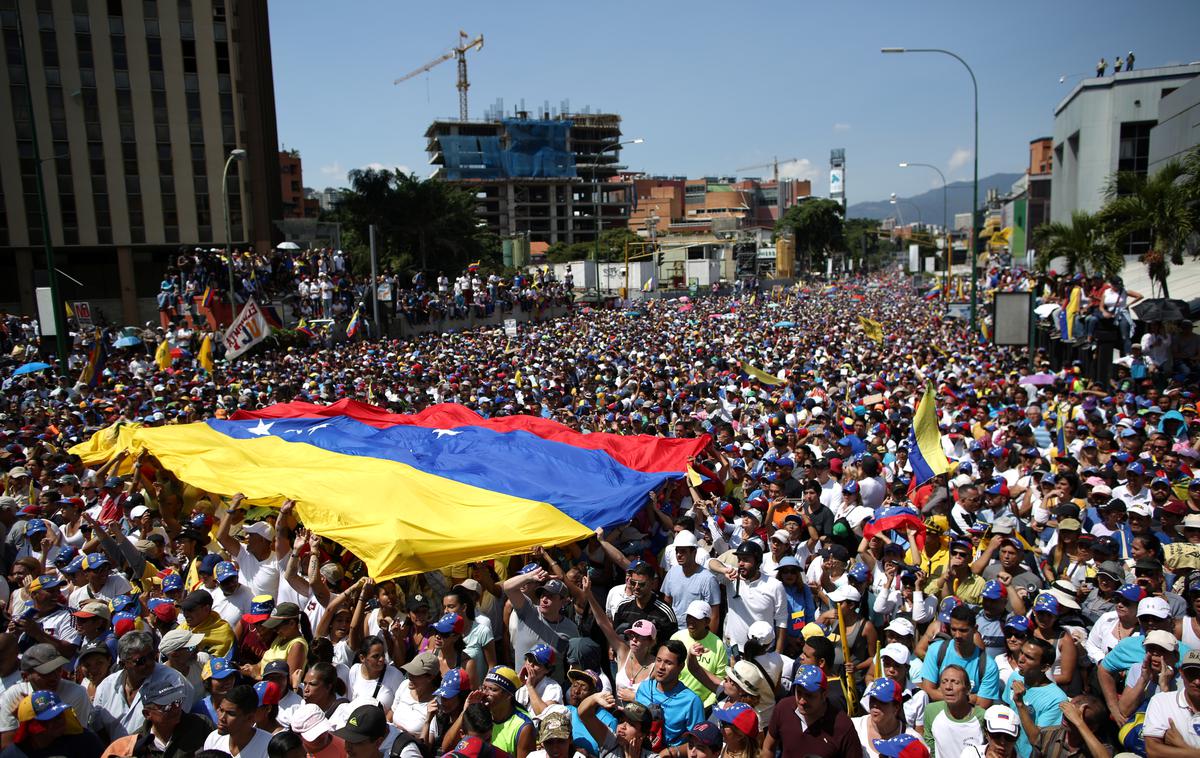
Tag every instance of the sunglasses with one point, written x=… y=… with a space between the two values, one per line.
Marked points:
x=1013 y=633
x=960 y=554
x=141 y=660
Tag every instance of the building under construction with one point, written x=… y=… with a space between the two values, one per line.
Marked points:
x=547 y=176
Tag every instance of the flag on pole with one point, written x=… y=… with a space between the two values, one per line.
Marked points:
x=760 y=375
x=162 y=356
x=873 y=329
x=355 y=322
x=206 y=300
x=205 y=357
x=305 y=329
x=925 y=442
x=649 y=285
x=1072 y=312
x=70 y=310
x=96 y=359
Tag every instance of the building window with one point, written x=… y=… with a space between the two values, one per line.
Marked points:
x=1134 y=150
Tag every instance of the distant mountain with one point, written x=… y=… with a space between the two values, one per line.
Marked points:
x=958 y=200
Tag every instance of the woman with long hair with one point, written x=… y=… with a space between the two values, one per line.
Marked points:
x=631 y=739
x=1047 y=627
x=634 y=650
x=1016 y=631
x=373 y=677
x=290 y=643
x=322 y=687
x=741 y=730
x=448 y=645
x=884 y=719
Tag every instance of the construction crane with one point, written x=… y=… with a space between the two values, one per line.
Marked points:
x=772 y=165
x=460 y=52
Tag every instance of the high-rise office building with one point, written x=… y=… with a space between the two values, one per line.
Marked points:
x=137 y=105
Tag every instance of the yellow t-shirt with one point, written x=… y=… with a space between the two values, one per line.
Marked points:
x=279 y=651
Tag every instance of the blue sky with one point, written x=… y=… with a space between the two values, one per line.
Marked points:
x=713 y=86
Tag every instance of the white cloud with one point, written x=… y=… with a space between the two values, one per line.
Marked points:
x=799 y=169
x=841 y=127
x=959 y=158
x=334 y=170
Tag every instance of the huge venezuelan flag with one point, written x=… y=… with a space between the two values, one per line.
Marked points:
x=410 y=493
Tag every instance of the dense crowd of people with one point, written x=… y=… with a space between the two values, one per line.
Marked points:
x=807 y=592
x=317 y=283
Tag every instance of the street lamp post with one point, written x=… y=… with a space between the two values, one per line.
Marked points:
x=975 y=181
x=236 y=154
x=945 y=227
x=599 y=195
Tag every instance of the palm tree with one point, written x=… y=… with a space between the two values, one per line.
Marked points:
x=1163 y=205
x=1082 y=244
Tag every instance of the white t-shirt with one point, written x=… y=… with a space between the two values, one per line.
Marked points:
x=760 y=600
x=408 y=713
x=1168 y=708
x=383 y=692
x=256 y=748
x=262 y=577
x=548 y=690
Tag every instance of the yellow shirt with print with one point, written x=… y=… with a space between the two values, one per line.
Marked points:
x=218 y=635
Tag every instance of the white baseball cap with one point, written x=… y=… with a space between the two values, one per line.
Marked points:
x=901 y=626
x=781 y=535
x=685 y=539
x=895 y=652
x=1140 y=510
x=1000 y=719
x=698 y=609
x=761 y=632
x=1162 y=638
x=261 y=528
x=845 y=592
x=1154 y=606
x=138 y=511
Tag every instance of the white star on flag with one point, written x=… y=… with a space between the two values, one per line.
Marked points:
x=445 y=432
x=262 y=428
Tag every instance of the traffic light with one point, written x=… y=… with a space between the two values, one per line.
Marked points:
x=660 y=257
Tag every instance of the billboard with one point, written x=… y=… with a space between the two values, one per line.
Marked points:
x=837 y=179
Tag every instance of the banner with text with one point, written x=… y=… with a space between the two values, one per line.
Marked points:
x=247 y=330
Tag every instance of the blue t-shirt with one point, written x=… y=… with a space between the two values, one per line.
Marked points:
x=682 y=708
x=684 y=589
x=1042 y=703
x=581 y=738
x=988 y=688
x=1130 y=652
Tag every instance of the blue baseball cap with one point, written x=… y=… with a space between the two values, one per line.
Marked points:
x=217 y=668
x=224 y=570
x=994 y=590
x=901 y=746
x=1015 y=621
x=884 y=690
x=124 y=604
x=1137 y=468
x=858 y=572
x=946 y=608
x=46 y=705
x=454 y=682
x=1131 y=593
x=172 y=583
x=850 y=486
x=809 y=678
x=208 y=563
x=1046 y=603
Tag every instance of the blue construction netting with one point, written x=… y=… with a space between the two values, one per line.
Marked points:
x=536 y=149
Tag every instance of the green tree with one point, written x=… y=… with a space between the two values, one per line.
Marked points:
x=424 y=224
x=862 y=240
x=1082 y=244
x=1163 y=206
x=818 y=228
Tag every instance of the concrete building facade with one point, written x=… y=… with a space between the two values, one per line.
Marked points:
x=550 y=179
x=1178 y=128
x=137 y=106
x=1104 y=126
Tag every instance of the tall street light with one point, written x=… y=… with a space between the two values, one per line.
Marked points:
x=945 y=227
x=975 y=181
x=600 y=195
x=237 y=154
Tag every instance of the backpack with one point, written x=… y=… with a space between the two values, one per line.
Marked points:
x=403 y=740
x=941 y=656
